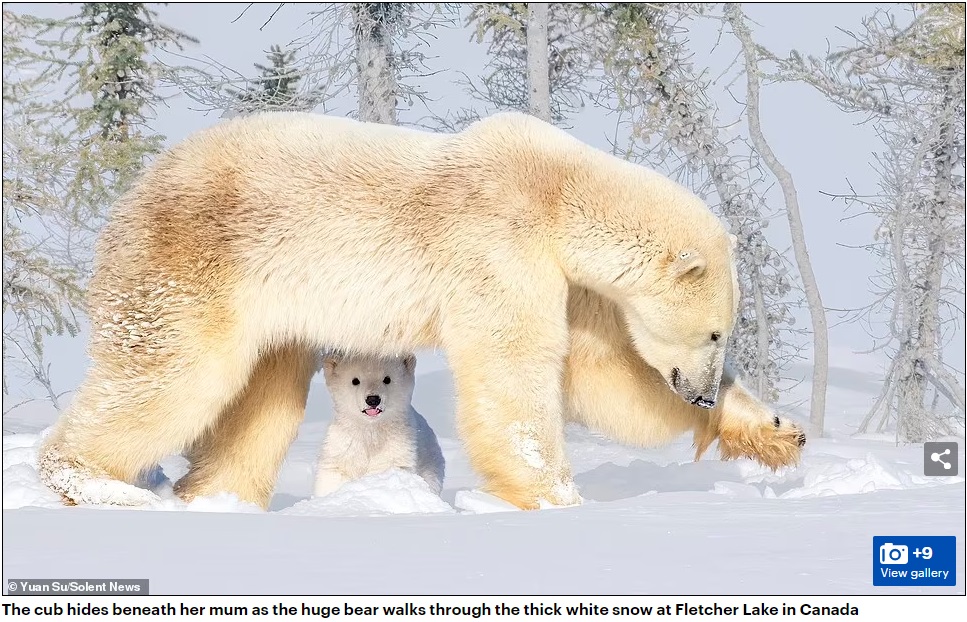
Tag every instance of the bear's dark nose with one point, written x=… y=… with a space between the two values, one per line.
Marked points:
x=704 y=403
x=372 y=400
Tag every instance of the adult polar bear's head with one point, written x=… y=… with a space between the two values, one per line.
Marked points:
x=654 y=248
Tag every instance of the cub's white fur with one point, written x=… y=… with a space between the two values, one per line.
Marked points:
x=375 y=427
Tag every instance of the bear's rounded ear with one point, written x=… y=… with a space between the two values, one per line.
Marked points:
x=409 y=363
x=733 y=240
x=688 y=262
x=329 y=363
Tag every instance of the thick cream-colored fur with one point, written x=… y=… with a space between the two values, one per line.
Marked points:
x=243 y=450
x=281 y=229
x=611 y=389
x=358 y=444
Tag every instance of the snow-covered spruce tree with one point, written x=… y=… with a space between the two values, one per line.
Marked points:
x=524 y=42
x=68 y=153
x=649 y=81
x=276 y=88
x=41 y=272
x=820 y=333
x=117 y=74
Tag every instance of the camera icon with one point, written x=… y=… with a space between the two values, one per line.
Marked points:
x=893 y=553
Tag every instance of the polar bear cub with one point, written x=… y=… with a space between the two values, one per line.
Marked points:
x=375 y=426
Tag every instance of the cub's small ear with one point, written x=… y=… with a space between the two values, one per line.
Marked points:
x=733 y=240
x=409 y=363
x=687 y=262
x=329 y=363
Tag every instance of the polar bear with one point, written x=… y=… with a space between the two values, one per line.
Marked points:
x=561 y=283
x=374 y=426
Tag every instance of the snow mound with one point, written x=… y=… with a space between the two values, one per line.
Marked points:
x=836 y=469
x=391 y=492
x=859 y=476
x=22 y=488
x=21 y=484
x=737 y=490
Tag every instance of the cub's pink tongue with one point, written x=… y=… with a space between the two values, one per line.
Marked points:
x=372 y=412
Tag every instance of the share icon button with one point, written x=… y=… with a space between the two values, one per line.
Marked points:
x=940 y=459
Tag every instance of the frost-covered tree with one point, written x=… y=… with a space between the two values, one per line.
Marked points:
x=817 y=312
x=378 y=49
x=391 y=40
x=41 y=271
x=115 y=70
x=537 y=61
x=906 y=69
x=277 y=87
x=375 y=25
x=78 y=93
x=650 y=82
x=538 y=67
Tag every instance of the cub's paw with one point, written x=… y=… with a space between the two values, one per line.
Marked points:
x=773 y=443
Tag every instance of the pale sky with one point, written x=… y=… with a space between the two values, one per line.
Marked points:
x=821 y=146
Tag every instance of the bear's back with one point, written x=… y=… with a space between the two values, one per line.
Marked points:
x=289 y=142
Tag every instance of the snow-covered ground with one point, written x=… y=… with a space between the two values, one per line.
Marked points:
x=653 y=520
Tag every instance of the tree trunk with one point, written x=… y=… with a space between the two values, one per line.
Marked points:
x=762 y=340
x=817 y=312
x=538 y=71
x=377 y=85
x=924 y=322
x=721 y=175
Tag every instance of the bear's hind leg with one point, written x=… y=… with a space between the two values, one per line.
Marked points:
x=243 y=451
x=129 y=415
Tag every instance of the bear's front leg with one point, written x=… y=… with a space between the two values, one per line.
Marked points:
x=510 y=410
x=747 y=428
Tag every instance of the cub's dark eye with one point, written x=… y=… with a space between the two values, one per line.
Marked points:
x=716 y=336
x=386 y=380
x=355 y=381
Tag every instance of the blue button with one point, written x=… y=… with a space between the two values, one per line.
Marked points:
x=914 y=560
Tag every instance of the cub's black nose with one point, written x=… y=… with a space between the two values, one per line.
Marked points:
x=372 y=400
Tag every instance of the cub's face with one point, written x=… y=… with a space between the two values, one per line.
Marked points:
x=371 y=388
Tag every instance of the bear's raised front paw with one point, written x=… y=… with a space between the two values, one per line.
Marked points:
x=774 y=444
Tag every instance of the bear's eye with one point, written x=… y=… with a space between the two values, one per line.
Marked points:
x=386 y=380
x=356 y=381
x=716 y=336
